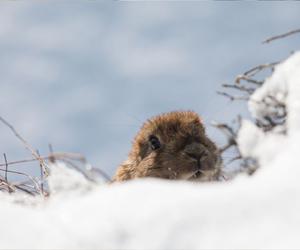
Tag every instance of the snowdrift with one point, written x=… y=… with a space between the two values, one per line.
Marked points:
x=262 y=211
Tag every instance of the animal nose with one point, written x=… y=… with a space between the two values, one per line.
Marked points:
x=195 y=151
x=195 y=156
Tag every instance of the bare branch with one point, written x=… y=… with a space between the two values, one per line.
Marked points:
x=239 y=88
x=292 y=32
x=239 y=157
x=26 y=144
x=61 y=156
x=6 y=166
x=257 y=69
x=230 y=134
x=51 y=158
x=25 y=190
x=28 y=176
x=274 y=119
x=73 y=156
x=247 y=79
x=9 y=187
x=231 y=97
x=102 y=173
x=37 y=184
x=21 y=161
x=41 y=175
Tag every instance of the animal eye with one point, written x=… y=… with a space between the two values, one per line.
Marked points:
x=154 y=141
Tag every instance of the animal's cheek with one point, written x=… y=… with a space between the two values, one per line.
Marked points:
x=208 y=162
x=141 y=170
x=185 y=171
x=146 y=163
x=183 y=165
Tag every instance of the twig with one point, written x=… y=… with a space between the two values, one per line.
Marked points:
x=9 y=186
x=24 y=190
x=247 y=83
x=229 y=131
x=226 y=147
x=239 y=157
x=23 y=186
x=73 y=165
x=6 y=166
x=102 y=173
x=38 y=185
x=247 y=79
x=61 y=156
x=28 y=176
x=292 y=32
x=41 y=175
x=22 y=161
x=77 y=157
x=51 y=157
x=239 y=87
x=230 y=135
x=257 y=69
x=26 y=144
x=58 y=155
x=231 y=97
x=73 y=156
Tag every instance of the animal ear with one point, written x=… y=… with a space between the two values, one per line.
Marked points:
x=198 y=124
x=197 y=120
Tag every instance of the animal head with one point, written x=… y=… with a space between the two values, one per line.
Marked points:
x=172 y=146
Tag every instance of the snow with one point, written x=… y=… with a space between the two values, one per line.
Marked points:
x=261 y=211
x=76 y=181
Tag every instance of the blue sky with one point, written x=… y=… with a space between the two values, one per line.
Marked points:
x=84 y=75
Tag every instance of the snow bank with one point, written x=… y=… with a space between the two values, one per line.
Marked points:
x=257 y=212
x=283 y=87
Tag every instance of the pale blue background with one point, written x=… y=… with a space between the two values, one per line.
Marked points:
x=84 y=75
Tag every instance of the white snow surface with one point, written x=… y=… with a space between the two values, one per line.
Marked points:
x=262 y=211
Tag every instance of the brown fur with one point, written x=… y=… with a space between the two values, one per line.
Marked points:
x=185 y=153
